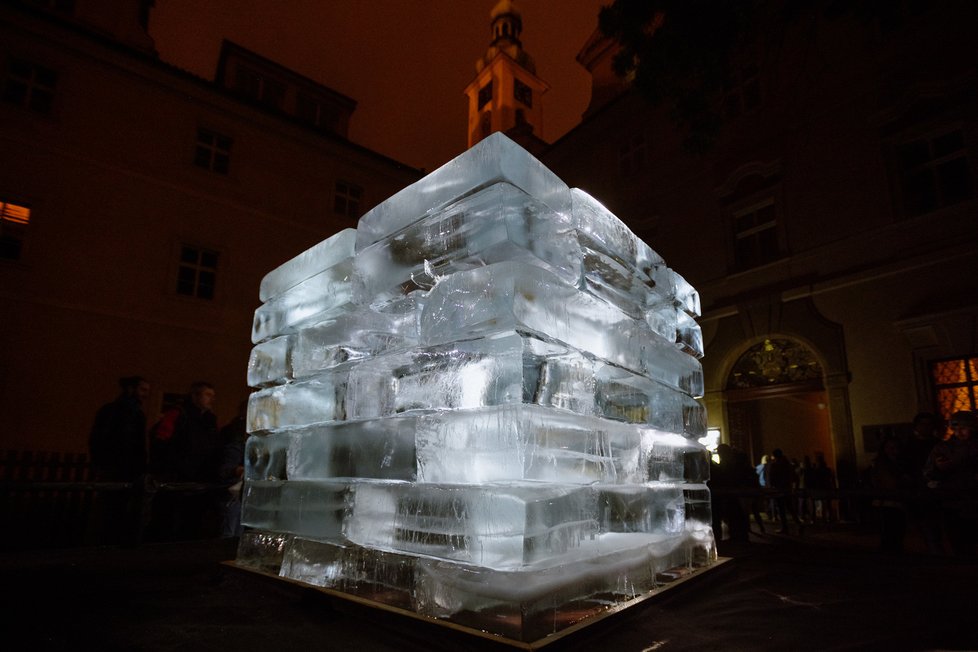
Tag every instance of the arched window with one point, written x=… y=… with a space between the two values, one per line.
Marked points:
x=775 y=361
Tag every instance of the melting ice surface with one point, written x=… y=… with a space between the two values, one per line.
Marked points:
x=479 y=405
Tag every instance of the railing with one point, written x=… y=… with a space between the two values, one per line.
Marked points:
x=51 y=500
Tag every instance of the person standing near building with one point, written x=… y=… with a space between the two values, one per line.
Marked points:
x=781 y=478
x=951 y=469
x=117 y=445
x=117 y=442
x=186 y=447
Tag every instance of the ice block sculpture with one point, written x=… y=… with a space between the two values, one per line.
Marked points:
x=479 y=405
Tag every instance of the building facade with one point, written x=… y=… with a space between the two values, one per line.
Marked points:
x=140 y=207
x=832 y=229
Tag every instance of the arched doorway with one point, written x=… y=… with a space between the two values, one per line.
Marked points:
x=776 y=398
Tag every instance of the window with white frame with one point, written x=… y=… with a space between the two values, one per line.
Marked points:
x=755 y=235
x=29 y=85
x=934 y=171
x=213 y=151
x=346 y=199
x=197 y=272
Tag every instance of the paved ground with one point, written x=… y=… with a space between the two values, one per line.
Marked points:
x=828 y=590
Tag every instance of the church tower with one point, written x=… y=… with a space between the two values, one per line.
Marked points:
x=505 y=94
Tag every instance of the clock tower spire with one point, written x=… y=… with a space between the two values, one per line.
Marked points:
x=505 y=94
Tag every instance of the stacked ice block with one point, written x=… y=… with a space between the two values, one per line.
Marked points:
x=478 y=405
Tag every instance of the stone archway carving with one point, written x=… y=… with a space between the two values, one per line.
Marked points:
x=774 y=361
x=768 y=318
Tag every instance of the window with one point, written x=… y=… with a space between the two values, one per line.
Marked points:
x=315 y=113
x=522 y=93
x=14 y=219
x=743 y=93
x=485 y=94
x=213 y=151
x=955 y=384
x=486 y=123
x=29 y=85
x=631 y=155
x=756 y=236
x=346 y=199
x=933 y=171
x=258 y=87
x=197 y=272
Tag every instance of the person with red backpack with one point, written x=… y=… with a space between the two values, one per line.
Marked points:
x=185 y=447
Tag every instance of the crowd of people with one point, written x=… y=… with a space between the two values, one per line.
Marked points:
x=183 y=473
x=931 y=481
x=927 y=480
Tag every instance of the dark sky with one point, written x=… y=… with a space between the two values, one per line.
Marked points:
x=406 y=62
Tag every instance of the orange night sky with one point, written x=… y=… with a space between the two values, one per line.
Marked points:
x=406 y=62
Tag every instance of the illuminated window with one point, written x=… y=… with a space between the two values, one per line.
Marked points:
x=522 y=93
x=631 y=155
x=485 y=94
x=755 y=232
x=14 y=219
x=934 y=172
x=955 y=385
x=346 y=199
x=29 y=85
x=213 y=151
x=197 y=272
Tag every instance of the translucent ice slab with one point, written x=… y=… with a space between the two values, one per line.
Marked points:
x=494 y=159
x=526 y=298
x=352 y=336
x=347 y=337
x=511 y=525
x=381 y=449
x=604 y=233
x=499 y=444
x=455 y=376
x=266 y=457
x=508 y=368
x=495 y=224
x=313 y=299
x=591 y=249
x=526 y=443
x=310 y=262
x=269 y=362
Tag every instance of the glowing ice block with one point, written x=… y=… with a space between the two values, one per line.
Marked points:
x=482 y=405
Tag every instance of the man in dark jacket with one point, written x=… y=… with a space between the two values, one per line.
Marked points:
x=186 y=448
x=117 y=444
x=186 y=443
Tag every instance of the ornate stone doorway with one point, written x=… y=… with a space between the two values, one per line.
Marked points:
x=776 y=398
